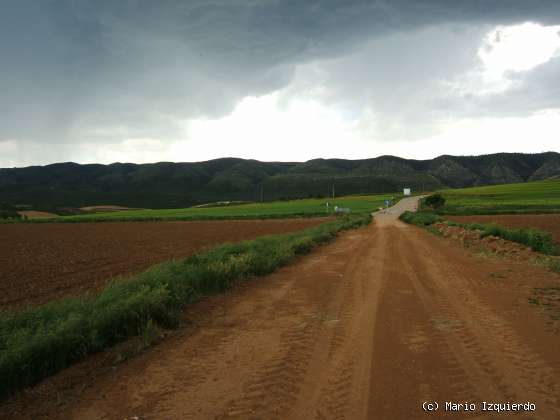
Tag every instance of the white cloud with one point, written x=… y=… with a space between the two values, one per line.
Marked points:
x=267 y=129
x=471 y=136
x=137 y=150
x=518 y=48
x=8 y=152
x=260 y=129
x=507 y=54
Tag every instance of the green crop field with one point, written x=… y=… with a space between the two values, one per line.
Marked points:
x=529 y=197
x=276 y=209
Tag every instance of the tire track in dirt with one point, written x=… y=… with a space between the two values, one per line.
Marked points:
x=497 y=361
x=412 y=360
x=296 y=377
x=344 y=389
x=466 y=354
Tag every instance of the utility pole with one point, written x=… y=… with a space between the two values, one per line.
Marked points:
x=262 y=193
x=333 y=191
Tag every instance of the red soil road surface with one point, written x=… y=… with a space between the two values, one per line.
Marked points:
x=41 y=262
x=547 y=222
x=367 y=327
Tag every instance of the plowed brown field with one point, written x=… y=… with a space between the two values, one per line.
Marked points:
x=547 y=222
x=40 y=262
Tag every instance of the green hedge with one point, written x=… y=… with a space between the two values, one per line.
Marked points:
x=40 y=341
x=537 y=240
x=146 y=218
x=421 y=218
x=455 y=210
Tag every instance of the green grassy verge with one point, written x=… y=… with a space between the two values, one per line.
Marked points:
x=553 y=265
x=269 y=210
x=40 y=341
x=420 y=218
x=528 y=197
x=102 y=218
x=537 y=240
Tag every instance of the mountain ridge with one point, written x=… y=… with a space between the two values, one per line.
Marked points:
x=182 y=184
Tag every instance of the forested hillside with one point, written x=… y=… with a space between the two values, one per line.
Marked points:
x=168 y=185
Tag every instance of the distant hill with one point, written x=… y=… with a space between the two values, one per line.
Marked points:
x=170 y=185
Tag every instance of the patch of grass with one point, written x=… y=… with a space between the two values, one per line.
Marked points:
x=548 y=299
x=267 y=210
x=433 y=230
x=528 y=197
x=40 y=341
x=420 y=218
x=150 y=333
x=554 y=265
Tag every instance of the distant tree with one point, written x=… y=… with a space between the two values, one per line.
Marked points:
x=435 y=201
x=8 y=212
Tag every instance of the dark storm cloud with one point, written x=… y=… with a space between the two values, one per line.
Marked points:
x=77 y=69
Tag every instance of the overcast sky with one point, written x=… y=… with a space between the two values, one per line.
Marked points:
x=147 y=81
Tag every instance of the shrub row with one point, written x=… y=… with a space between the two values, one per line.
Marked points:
x=454 y=210
x=38 y=342
x=554 y=265
x=180 y=218
x=537 y=240
x=420 y=218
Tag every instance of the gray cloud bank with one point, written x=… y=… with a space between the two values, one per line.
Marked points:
x=87 y=70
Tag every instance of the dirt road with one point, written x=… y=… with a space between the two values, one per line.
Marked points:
x=370 y=326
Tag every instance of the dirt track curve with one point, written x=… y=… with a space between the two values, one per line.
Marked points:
x=367 y=327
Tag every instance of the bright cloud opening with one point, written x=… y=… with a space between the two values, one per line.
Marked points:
x=518 y=48
x=268 y=128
